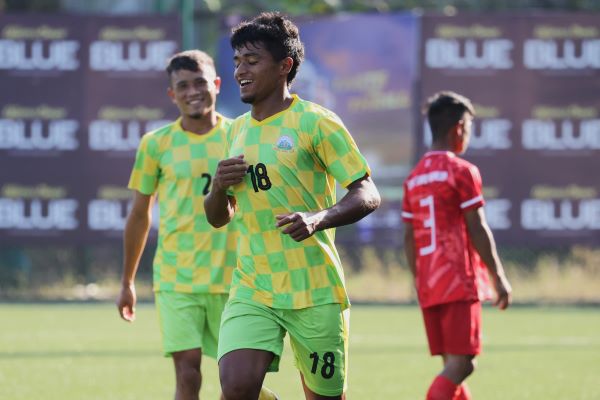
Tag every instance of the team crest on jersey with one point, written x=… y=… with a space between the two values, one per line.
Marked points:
x=284 y=143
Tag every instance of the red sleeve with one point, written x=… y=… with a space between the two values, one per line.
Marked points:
x=407 y=215
x=469 y=186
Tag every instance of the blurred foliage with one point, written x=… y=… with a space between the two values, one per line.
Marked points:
x=373 y=274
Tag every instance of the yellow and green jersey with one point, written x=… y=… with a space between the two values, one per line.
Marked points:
x=191 y=255
x=294 y=157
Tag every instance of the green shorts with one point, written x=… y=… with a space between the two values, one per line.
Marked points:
x=190 y=321
x=318 y=335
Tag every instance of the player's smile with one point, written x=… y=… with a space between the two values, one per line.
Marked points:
x=194 y=92
x=244 y=83
x=196 y=103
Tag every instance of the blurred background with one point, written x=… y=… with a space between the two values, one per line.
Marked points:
x=82 y=81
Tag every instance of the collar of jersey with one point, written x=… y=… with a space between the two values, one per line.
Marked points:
x=196 y=136
x=439 y=153
x=254 y=122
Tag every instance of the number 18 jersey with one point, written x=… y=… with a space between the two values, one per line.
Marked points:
x=294 y=158
x=437 y=193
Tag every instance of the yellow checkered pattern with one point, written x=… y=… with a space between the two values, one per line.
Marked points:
x=191 y=256
x=295 y=157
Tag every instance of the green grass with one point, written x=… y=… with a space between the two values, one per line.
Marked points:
x=62 y=352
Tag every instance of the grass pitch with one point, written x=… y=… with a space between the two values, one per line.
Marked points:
x=84 y=351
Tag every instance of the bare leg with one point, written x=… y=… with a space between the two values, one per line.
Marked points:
x=187 y=374
x=242 y=373
x=458 y=367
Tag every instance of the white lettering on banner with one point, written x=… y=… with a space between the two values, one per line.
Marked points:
x=541 y=134
x=539 y=214
x=104 y=214
x=38 y=134
x=132 y=56
x=36 y=214
x=39 y=55
x=494 y=133
x=452 y=53
x=496 y=212
x=119 y=135
x=552 y=54
x=107 y=214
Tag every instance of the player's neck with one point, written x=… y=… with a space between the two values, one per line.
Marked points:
x=276 y=102
x=201 y=125
x=437 y=146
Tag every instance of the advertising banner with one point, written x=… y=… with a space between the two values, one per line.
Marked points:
x=78 y=93
x=534 y=82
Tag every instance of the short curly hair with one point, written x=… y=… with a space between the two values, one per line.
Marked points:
x=279 y=35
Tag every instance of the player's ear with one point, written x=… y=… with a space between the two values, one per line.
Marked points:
x=171 y=93
x=455 y=136
x=286 y=65
x=218 y=84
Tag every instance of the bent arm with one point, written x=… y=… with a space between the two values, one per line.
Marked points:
x=219 y=208
x=361 y=200
x=483 y=240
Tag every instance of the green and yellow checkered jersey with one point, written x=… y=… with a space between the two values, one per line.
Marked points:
x=191 y=255
x=294 y=158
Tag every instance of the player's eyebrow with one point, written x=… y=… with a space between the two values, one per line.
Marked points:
x=246 y=55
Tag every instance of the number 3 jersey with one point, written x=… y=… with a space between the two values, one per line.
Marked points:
x=294 y=158
x=191 y=256
x=437 y=193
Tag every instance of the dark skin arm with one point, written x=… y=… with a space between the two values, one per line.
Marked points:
x=361 y=199
x=134 y=240
x=220 y=207
x=483 y=240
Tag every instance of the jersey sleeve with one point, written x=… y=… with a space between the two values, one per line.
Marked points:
x=337 y=151
x=146 y=169
x=407 y=214
x=469 y=186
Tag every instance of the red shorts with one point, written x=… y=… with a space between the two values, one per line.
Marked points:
x=454 y=328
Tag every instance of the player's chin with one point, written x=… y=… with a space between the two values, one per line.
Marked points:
x=195 y=115
x=247 y=98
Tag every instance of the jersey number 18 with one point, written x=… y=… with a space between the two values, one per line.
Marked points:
x=259 y=177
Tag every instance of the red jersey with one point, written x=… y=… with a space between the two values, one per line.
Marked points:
x=436 y=194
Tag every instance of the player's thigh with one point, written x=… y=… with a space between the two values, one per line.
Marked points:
x=433 y=329
x=182 y=319
x=319 y=339
x=246 y=325
x=462 y=327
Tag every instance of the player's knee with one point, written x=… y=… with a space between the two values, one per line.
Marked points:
x=237 y=386
x=187 y=368
x=460 y=367
x=469 y=366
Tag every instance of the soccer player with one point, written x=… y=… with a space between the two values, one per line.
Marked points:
x=279 y=177
x=449 y=244
x=193 y=261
